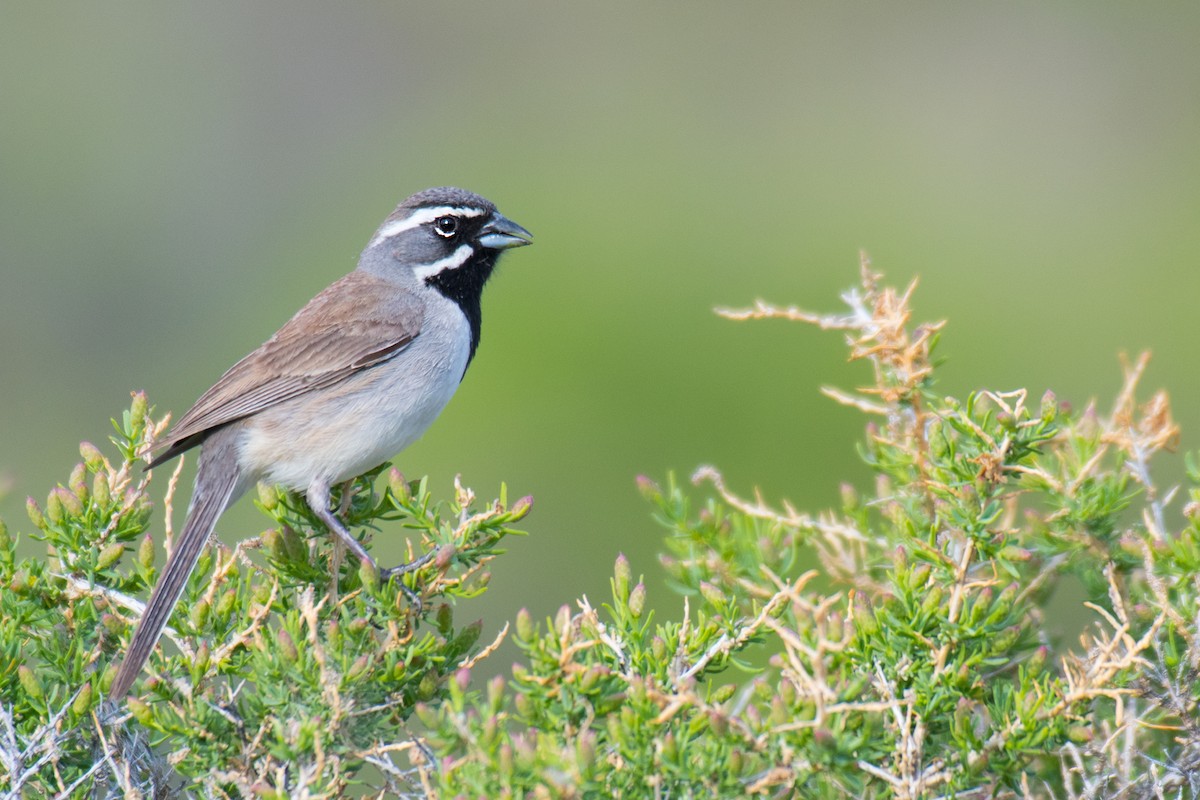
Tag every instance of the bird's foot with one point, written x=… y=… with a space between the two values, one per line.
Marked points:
x=402 y=569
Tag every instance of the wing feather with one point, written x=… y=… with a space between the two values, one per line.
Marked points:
x=356 y=323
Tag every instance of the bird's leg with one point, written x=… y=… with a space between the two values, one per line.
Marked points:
x=318 y=500
x=339 y=547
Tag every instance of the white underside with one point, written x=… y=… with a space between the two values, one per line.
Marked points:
x=334 y=434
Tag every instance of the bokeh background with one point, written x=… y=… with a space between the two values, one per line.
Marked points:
x=178 y=179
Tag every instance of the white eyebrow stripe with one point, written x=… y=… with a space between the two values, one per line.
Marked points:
x=421 y=217
x=452 y=261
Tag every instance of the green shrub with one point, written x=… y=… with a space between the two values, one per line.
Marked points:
x=897 y=647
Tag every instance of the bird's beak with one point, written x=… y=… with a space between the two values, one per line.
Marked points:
x=502 y=233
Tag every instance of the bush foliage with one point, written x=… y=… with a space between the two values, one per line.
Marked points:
x=898 y=647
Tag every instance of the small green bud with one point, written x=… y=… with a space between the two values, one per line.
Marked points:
x=70 y=502
x=1049 y=409
x=200 y=614
x=112 y=624
x=670 y=748
x=444 y=618
x=91 y=456
x=368 y=573
x=521 y=509
x=445 y=556
x=637 y=600
x=495 y=693
x=1005 y=639
x=358 y=625
x=110 y=555
x=262 y=594
x=398 y=485
x=621 y=576
x=359 y=667
x=648 y=488
x=106 y=677
x=333 y=634
x=712 y=595
x=101 y=491
x=287 y=646
x=722 y=693
x=1003 y=604
x=79 y=482
x=83 y=700
x=427 y=688
x=140 y=711
x=849 y=497
x=523 y=704
x=1080 y=734
x=468 y=636
x=226 y=603
x=54 y=509
x=525 y=751
x=658 y=648
x=933 y=599
x=294 y=546
x=562 y=619
x=273 y=541
x=589 y=679
x=139 y=408
x=525 y=627
x=1013 y=553
x=145 y=553
x=899 y=558
x=29 y=682
x=268 y=496
x=201 y=661
x=35 y=513
x=505 y=759
x=982 y=602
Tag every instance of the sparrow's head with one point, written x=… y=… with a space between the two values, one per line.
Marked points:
x=449 y=238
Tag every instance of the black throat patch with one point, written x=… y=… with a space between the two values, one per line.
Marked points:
x=464 y=285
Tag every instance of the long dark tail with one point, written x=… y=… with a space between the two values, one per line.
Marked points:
x=216 y=483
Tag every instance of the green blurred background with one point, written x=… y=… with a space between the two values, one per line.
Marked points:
x=179 y=179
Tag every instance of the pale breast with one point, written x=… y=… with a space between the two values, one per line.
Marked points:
x=338 y=432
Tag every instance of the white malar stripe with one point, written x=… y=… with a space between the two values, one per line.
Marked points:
x=421 y=217
x=452 y=261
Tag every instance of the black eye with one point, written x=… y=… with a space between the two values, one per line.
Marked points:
x=446 y=226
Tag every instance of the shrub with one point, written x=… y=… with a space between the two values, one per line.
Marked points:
x=897 y=647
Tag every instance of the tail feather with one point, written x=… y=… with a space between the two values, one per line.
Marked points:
x=215 y=485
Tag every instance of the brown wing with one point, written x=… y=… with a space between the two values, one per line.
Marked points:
x=357 y=322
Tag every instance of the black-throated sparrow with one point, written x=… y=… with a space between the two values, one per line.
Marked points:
x=356 y=376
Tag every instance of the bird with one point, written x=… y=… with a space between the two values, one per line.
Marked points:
x=356 y=376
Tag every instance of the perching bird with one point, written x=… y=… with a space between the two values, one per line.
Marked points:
x=355 y=377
